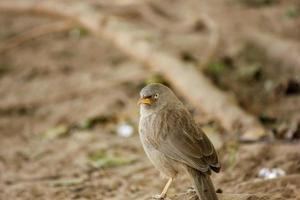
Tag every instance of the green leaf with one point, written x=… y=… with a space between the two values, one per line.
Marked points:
x=93 y=121
x=55 y=132
x=292 y=12
x=78 y=32
x=101 y=159
x=68 y=182
x=216 y=67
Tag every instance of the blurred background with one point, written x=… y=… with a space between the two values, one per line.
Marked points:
x=70 y=76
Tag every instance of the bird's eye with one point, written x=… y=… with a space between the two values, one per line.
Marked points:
x=156 y=96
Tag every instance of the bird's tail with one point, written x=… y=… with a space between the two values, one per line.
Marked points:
x=203 y=184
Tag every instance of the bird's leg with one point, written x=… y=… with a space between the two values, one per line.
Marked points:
x=165 y=190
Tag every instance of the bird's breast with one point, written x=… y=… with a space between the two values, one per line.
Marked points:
x=149 y=133
x=150 y=129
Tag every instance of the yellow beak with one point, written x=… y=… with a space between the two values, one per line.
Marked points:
x=146 y=101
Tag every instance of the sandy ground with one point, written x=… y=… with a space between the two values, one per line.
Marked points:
x=64 y=95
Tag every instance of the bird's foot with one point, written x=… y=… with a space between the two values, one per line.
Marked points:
x=159 y=197
x=191 y=190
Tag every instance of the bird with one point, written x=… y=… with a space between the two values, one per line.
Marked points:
x=172 y=140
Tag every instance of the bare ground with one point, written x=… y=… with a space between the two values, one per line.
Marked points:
x=64 y=80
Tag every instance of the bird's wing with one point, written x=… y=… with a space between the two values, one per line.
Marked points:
x=179 y=138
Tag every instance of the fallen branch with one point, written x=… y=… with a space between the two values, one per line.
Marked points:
x=285 y=51
x=146 y=10
x=152 y=13
x=35 y=33
x=184 y=77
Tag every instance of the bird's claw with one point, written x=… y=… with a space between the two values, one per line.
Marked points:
x=191 y=190
x=159 y=197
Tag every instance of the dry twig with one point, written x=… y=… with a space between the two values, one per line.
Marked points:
x=35 y=33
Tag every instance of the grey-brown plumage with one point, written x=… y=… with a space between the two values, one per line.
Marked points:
x=172 y=139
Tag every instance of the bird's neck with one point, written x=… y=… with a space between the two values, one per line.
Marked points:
x=146 y=111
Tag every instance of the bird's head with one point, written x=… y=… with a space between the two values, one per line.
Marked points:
x=156 y=96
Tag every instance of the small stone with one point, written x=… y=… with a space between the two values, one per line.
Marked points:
x=125 y=130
